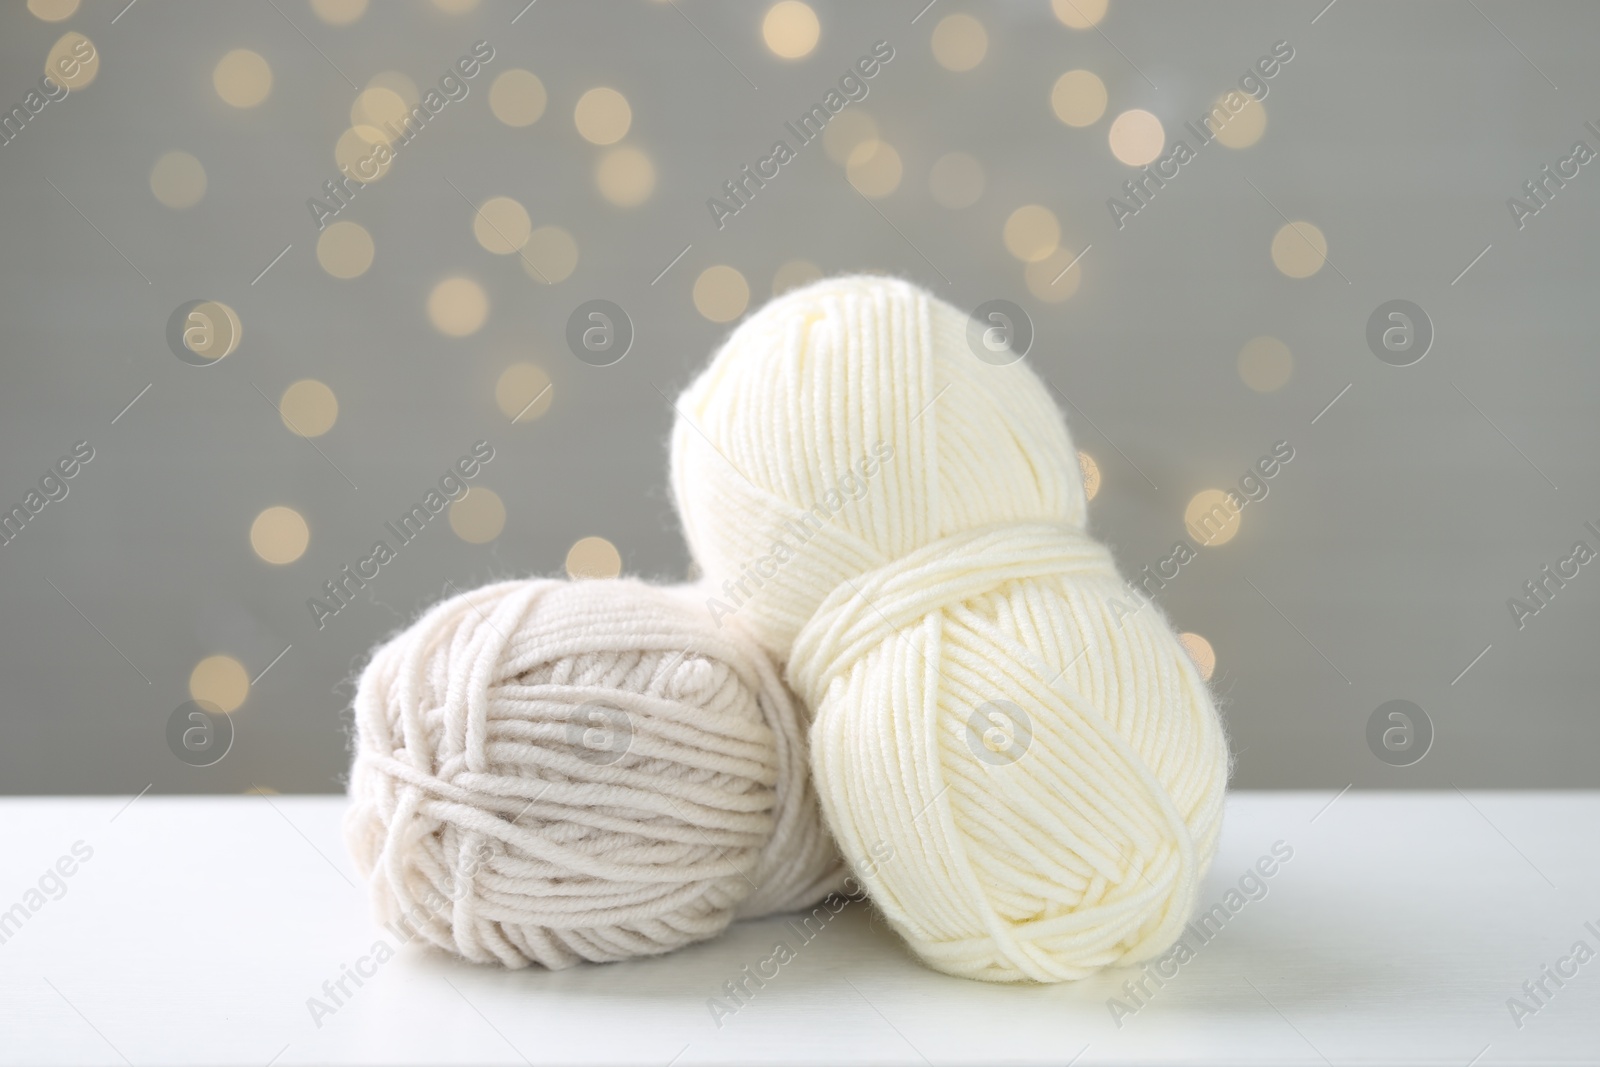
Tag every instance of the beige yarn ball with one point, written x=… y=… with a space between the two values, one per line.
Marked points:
x=904 y=522
x=549 y=772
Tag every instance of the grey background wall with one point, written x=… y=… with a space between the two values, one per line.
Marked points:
x=1378 y=567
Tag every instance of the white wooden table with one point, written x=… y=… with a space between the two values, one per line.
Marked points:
x=199 y=927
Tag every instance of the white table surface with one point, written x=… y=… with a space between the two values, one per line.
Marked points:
x=200 y=926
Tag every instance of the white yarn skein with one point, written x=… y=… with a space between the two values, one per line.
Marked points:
x=548 y=772
x=905 y=524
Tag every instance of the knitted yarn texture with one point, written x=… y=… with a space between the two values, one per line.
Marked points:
x=548 y=772
x=905 y=524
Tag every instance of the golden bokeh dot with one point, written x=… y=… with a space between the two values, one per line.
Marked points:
x=1299 y=249
x=517 y=97
x=1079 y=14
x=790 y=29
x=793 y=274
x=501 y=225
x=339 y=12
x=721 y=294
x=1031 y=233
x=53 y=10
x=221 y=681
x=308 y=408
x=845 y=131
x=1079 y=98
x=345 y=249
x=956 y=180
x=397 y=83
x=279 y=535
x=380 y=108
x=478 y=517
x=550 y=256
x=212 y=330
x=178 y=180
x=457 y=307
x=603 y=116
x=260 y=791
x=593 y=557
x=1265 y=364
x=1137 y=137
x=1211 y=518
x=1200 y=650
x=1244 y=126
x=242 y=78
x=626 y=176
x=1091 y=475
x=1055 y=277
x=363 y=153
x=959 y=42
x=874 y=168
x=73 y=61
x=523 y=392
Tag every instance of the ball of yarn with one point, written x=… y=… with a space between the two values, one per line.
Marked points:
x=904 y=523
x=548 y=772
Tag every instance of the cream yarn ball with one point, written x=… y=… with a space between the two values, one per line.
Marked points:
x=904 y=523
x=547 y=772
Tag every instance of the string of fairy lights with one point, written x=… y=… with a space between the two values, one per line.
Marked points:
x=625 y=175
